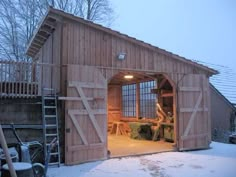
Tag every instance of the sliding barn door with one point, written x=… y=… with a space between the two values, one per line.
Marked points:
x=86 y=115
x=194 y=114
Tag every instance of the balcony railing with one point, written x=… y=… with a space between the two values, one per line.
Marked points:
x=19 y=79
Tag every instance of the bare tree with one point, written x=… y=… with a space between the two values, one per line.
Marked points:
x=8 y=28
x=19 y=18
x=99 y=11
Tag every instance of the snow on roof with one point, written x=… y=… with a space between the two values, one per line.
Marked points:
x=224 y=82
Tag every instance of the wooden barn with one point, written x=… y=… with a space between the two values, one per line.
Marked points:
x=113 y=89
x=223 y=116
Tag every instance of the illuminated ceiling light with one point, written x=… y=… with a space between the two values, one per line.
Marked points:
x=121 y=56
x=128 y=76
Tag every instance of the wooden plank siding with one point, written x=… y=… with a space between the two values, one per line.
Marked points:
x=222 y=115
x=84 y=45
x=49 y=58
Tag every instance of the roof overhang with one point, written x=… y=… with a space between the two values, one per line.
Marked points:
x=42 y=33
x=53 y=16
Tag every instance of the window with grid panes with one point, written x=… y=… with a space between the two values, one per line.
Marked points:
x=147 y=99
x=129 y=100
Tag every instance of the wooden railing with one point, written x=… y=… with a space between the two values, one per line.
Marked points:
x=19 y=79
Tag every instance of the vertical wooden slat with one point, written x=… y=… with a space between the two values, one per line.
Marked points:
x=82 y=45
x=99 y=49
x=1 y=77
x=11 y=66
x=88 y=45
x=137 y=101
x=16 y=79
x=37 y=80
x=27 y=80
x=20 y=79
x=32 y=80
x=23 y=79
x=7 y=78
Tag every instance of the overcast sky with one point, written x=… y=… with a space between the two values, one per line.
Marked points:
x=202 y=30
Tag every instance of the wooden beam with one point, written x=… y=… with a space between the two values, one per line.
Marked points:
x=193 y=136
x=33 y=47
x=42 y=36
x=73 y=98
x=22 y=126
x=85 y=147
x=86 y=85
x=48 y=31
x=192 y=109
x=191 y=89
x=36 y=45
x=78 y=128
x=162 y=83
x=193 y=115
x=85 y=112
x=31 y=53
x=167 y=94
x=50 y=24
x=48 y=28
x=80 y=99
x=54 y=17
x=40 y=42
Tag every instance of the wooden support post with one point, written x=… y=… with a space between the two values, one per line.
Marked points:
x=5 y=150
x=137 y=100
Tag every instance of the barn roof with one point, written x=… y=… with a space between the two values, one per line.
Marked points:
x=54 y=16
x=227 y=101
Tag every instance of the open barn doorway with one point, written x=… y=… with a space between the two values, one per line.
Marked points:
x=141 y=114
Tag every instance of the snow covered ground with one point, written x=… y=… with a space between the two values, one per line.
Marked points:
x=219 y=161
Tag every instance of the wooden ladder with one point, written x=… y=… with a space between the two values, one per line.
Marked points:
x=50 y=126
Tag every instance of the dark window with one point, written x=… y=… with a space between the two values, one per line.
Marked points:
x=129 y=100
x=147 y=99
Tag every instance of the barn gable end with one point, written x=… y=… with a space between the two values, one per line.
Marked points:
x=95 y=40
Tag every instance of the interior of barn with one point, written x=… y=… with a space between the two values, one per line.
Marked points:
x=141 y=114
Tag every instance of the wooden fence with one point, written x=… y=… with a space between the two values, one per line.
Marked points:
x=19 y=79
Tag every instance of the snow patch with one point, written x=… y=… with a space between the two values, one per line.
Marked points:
x=218 y=161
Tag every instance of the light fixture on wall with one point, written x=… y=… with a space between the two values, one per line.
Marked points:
x=121 y=56
x=128 y=76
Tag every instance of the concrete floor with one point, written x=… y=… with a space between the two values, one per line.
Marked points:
x=120 y=146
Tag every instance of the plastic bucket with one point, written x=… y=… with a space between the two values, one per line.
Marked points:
x=14 y=158
x=22 y=170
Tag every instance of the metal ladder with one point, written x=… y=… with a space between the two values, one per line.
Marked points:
x=50 y=125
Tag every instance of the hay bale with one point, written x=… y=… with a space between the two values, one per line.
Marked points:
x=140 y=131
